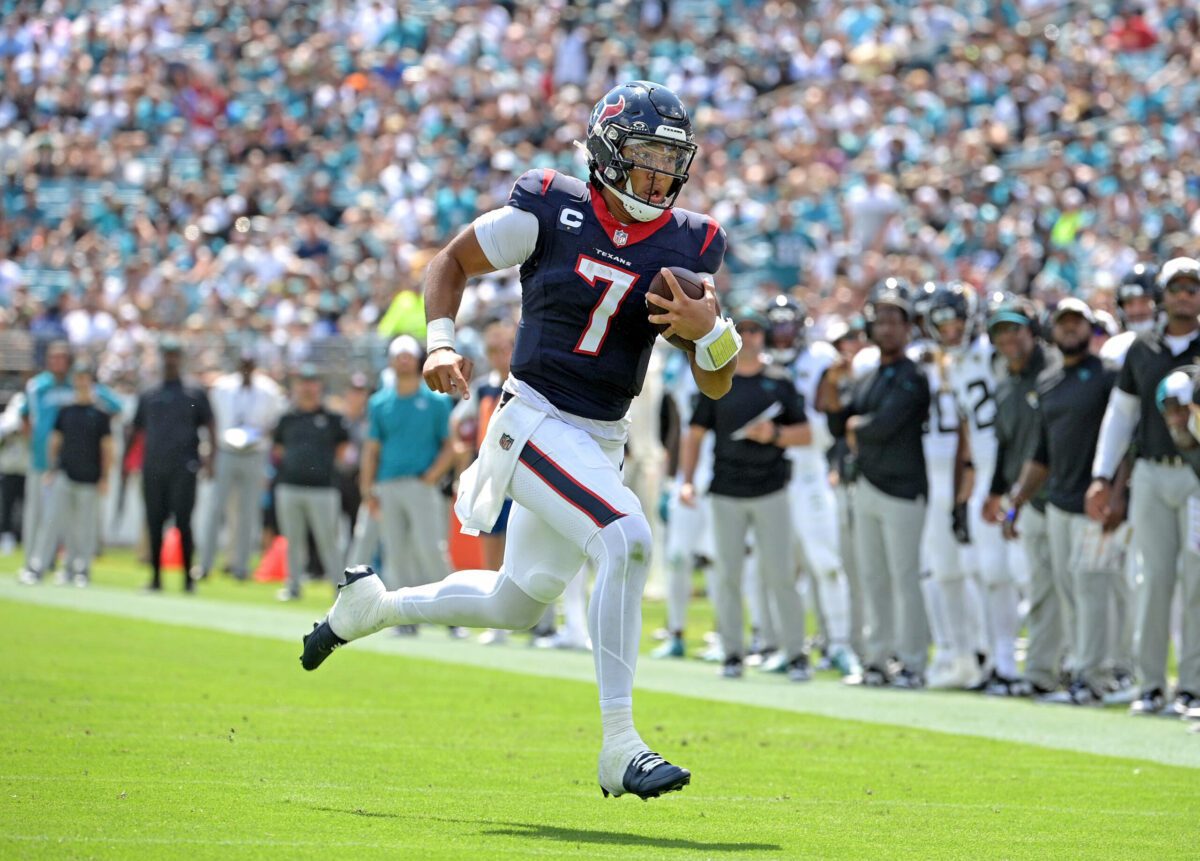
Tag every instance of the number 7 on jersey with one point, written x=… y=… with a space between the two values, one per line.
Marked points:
x=616 y=283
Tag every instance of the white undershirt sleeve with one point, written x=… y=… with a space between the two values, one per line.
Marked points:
x=1116 y=430
x=507 y=235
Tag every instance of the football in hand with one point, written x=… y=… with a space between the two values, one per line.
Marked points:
x=690 y=283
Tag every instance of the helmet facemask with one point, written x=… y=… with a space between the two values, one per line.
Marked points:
x=634 y=160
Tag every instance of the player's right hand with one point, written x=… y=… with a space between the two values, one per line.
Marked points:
x=687 y=494
x=447 y=372
x=1096 y=501
x=991 y=509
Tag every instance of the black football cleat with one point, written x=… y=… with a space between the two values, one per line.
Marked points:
x=320 y=642
x=319 y=645
x=649 y=776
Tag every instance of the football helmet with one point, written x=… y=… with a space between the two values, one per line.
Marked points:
x=890 y=291
x=1141 y=280
x=953 y=301
x=787 y=324
x=640 y=125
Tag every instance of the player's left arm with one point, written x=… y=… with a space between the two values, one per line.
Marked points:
x=715 y=384
x=964 y=467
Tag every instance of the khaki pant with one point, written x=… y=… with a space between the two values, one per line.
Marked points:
x=1044 y=657
x=1159 y=511
x=240 y=475
x=770 y=518
x=1084 y=590
x=413 y=525
x=887 y=532
x=299 y=509
x=71 y=516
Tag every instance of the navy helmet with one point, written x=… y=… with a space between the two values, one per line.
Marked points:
x=640 y=125
x=787 y=325
x=890 y=291
x=953 y=301
x=1141 y=280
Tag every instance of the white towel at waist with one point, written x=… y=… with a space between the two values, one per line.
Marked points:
x=484 y=485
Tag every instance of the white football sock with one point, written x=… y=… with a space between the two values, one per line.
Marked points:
x=1003 y=622
x=834 y=594
x=621 y=553
x=679 y=590
x=955 y=616
x=935 y=612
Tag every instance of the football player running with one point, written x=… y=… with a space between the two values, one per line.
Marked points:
x=587 y=251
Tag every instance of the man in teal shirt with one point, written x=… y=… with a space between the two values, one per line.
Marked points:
x=407 y=451
x=45 y=394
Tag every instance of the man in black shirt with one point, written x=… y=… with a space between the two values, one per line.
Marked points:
x=81 y=448
x=1160 y=492
x=308 y=440
x=171 y=416
x=882 y=415
x=1071 y=404
x=1012 y=330
x=754 y=424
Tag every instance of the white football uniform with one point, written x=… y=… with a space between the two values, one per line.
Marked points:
x=688 y=532
x=1115 y=348
x=814 y=509
x=939 y=546
x=992 y=561
x=813 y=503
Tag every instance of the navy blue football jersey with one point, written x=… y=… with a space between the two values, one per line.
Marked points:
x=584 y=341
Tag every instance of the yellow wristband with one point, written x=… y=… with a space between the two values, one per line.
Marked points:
x=718 y=348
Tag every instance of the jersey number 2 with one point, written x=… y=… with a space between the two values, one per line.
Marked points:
x=616 y=284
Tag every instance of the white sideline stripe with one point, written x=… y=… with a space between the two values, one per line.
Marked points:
x=1103 y=732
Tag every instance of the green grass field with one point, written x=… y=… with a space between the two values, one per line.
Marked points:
x=124 y=737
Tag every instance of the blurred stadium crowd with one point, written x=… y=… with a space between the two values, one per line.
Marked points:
x=267 y=179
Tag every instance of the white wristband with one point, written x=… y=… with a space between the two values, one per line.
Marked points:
x=719 y=347
x=439 y=334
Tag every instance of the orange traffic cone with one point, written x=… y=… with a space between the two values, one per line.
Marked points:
x=172 y=551
x=466 y=551
x=273 y=567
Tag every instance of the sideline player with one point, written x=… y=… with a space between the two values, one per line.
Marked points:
x=587 y=251
x=1160 y=491
x=952 y=319
x=689 y=533
x=813 y=505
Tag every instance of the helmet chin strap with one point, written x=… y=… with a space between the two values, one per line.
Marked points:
x=638 y=209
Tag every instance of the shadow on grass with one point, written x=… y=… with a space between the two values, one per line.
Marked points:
x=573 y=835
x=620 y=838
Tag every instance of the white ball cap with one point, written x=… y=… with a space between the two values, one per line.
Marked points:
x=404 y=344
x=1071 y=305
